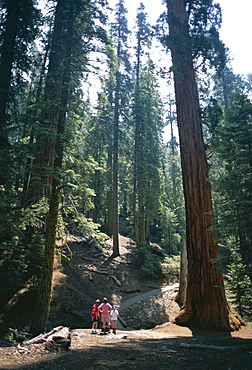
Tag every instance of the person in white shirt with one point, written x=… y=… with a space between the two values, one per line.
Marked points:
x=113 y=318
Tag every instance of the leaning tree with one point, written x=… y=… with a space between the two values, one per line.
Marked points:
x=205 y=304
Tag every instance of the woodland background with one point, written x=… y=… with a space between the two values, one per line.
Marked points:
x=84 y=102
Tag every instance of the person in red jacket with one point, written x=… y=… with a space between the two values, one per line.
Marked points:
x=95 y=314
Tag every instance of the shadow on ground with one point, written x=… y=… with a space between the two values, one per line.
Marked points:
x=144 y=354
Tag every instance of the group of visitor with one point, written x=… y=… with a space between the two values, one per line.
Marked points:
x=105 y=314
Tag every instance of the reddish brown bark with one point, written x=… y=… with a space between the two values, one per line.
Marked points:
x=206 y=304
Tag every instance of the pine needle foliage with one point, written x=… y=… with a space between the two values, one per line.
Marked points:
x=240 y=284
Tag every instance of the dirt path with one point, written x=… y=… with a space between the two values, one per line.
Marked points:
x=146 y=295
x=142 y=297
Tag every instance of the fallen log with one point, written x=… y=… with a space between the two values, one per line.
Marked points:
x=58 y=338
x=122 y=321
x=102 y=272
x=39 y=339
x=43 y=337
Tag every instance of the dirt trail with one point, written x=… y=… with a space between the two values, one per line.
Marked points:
x=142 y=297
x=146 y=295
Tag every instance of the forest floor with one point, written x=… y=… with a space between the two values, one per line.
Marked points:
x=164 y=347
x=143 y=303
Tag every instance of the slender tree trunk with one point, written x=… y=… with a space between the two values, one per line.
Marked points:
x=142 y=222
x=97 y=198
x=110 y=190
x=206 y=304
x=115 y=165
x=139 y=182
x=183 y=274
x=116 y=251
x=173 y=166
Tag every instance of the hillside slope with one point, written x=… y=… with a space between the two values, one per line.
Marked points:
x=89 y=275
x=86 y=273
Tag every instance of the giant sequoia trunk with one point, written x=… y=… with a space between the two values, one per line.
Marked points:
x=206 y=304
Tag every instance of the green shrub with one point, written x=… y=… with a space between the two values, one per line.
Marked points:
x=171 y=266
x=156 y=266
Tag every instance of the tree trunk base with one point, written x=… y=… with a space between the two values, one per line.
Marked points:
x=229 y=321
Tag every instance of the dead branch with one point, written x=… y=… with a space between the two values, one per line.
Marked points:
x=19 y=337
x=98 y=255
x=118 y=283
x=123 y=276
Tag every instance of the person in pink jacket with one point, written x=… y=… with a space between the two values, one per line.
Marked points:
x=105 y=309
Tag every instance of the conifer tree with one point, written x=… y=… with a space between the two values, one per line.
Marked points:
x=141 y=101
x=239 y=284
x=19 y=30
x=120 y=33
x=67 y=34
x=206 y=304
x=109 y=92
x=231 y=139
